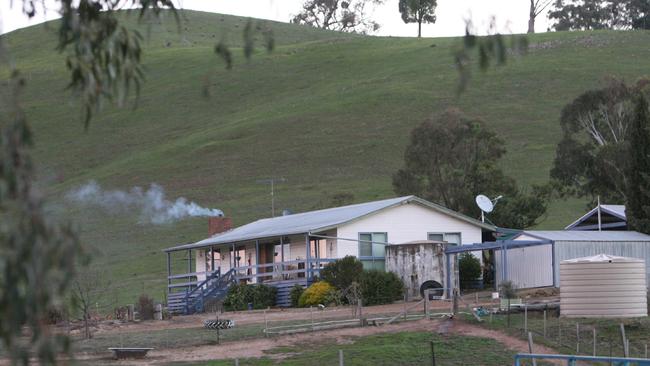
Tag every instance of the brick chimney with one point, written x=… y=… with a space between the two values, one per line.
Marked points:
x=218 y=224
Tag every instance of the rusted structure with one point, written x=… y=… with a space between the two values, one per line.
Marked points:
x=420 y=264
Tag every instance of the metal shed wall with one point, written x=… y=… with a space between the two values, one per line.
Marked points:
x=577 y=249
x=528 y=267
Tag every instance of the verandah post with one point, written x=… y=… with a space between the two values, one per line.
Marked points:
x=307 y=255
x=257 y=261
x=281 y=257
x=169 y=271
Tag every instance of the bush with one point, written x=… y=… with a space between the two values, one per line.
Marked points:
x=294 y=295
x=342 y=272
x=318 y=293
x=145 y=307
x=240 y=295
x=469 y=267
x=378 y=287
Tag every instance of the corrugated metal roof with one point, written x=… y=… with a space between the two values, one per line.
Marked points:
x=615 y=210
x=571 y=235
x=315 y=221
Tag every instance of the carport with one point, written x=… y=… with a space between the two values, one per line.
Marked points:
x=502 y=245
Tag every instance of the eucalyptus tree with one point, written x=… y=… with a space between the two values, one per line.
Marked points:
x=536 y=8
x=339 y=15
x=418 y=11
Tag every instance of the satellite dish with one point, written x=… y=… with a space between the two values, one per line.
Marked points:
x=484 y=203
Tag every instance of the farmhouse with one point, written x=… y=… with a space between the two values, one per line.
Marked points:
x=286 y=250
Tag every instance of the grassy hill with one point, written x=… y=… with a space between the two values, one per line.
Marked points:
x=329 y=112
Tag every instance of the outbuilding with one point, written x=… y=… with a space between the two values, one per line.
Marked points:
x=537 y=266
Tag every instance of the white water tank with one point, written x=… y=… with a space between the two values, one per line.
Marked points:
x=603 y=286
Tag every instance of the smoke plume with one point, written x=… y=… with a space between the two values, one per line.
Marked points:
x=150 y=204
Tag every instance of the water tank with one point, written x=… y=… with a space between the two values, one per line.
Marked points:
x=603 y=286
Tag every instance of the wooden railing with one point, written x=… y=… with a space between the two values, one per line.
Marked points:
x=258 y=273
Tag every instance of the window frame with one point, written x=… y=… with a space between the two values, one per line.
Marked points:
x=460 y=235
x=372 y=258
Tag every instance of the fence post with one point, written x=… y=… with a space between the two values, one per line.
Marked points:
x=594 y=330
x=360 y=311
x=559 y=331
x=341 y=363
x=433 y=355
x=646 y=351
x=626 y=351
x=426 y=305
x=236 y=362
x=266 y=325
x=405 y=304
x=526 y=319
x=577 y=338
x=311 y=313
x=544 y=324
x=530 y=346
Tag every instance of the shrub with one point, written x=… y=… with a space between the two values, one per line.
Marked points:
x=469 y=267
x=342 y=272
x=294 y=295
x=240 y=295
x=318 y=293
x=145 y=307
x=378 y=287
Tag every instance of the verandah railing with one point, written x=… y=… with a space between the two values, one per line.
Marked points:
x=256 y=273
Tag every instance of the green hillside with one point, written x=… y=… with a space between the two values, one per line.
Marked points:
x=329 y=112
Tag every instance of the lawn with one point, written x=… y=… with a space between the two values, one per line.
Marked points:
x=329 y=112
x=562 y=333
x=403 y=348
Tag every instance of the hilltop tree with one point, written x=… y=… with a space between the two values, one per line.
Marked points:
x=339 y=15
x=418 y=11
x=600 y=14
x=452 y=158
x=536 y=8
x=592 y=159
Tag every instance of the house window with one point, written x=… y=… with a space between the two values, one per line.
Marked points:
x=451 y=238
x=372 y=250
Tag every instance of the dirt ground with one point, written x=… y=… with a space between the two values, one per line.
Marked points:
x=259 y=347
x=259 y=316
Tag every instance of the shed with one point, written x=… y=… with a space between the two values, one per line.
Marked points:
x=418 y=263
x=532 y=267
x=603 y=286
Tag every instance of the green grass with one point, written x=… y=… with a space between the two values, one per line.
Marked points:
x=403 y=348
x=561 y=333
x=329 y=112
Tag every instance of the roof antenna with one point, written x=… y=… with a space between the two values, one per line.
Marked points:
x=486 y=204
x=599 y=221
x=272 y=182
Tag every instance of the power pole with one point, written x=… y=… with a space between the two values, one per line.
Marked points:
x=272 y=182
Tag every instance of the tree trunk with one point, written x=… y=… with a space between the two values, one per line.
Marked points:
x=531 y=17
x=420 y=29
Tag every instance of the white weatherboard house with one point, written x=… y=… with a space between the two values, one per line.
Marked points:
x=286 y=250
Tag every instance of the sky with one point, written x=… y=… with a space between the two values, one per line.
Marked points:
x=511 y=16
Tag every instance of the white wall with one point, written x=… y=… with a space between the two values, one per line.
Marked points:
x=528 y=267
x=402 y=224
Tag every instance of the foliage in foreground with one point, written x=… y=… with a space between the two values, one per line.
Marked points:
x=240 y=295
x=318 y=293
x=379 y=287
x=342 y=272
x=469 y=268
x=295 y=294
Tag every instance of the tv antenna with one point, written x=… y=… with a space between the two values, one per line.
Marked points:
x=486 y=204
x=272 y=182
